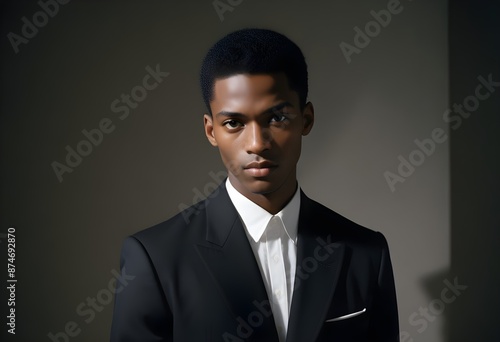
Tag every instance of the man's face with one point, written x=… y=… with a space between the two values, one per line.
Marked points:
x=258 y=126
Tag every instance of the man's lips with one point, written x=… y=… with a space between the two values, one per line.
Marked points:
x=260 y=169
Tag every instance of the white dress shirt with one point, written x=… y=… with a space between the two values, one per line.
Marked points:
x=274 y=243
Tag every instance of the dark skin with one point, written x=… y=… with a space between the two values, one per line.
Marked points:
x=258 y=125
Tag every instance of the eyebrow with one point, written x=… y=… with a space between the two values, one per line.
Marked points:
x=269 y=110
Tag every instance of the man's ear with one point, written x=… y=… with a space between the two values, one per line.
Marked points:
x=308 y=118
x=209 y=129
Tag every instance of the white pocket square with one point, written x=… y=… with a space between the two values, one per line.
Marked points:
x=340 y=318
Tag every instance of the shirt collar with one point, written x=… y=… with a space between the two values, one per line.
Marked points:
x=256 y=218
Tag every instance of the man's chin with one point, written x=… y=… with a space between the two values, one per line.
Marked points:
x=260 y=186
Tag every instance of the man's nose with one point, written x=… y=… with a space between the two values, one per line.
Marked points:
x=258 y=139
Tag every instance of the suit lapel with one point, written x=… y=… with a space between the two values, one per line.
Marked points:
x=319 y=260
x=229 y=258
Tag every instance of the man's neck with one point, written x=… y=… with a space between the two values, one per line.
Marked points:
x=273 y=202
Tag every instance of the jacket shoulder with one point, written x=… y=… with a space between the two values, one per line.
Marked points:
x=187 y=225
x=344 y=228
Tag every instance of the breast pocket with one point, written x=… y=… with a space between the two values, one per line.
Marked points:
x=348 y=326
x=343 y=317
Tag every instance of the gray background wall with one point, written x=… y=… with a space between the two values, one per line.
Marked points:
x=369 y=112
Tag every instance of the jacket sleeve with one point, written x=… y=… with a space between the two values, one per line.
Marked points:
x=384 y=326
x=141 y=311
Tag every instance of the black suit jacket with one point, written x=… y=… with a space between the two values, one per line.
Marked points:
x=196 y=279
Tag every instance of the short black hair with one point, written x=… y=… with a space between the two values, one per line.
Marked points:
x=254 y=51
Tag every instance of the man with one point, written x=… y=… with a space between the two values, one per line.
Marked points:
x=257 y=260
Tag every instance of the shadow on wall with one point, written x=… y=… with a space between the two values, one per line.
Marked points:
x=475 y=170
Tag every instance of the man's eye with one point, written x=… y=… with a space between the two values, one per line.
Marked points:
x=232 y=124
x=279 y=118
